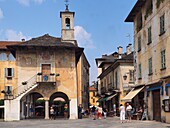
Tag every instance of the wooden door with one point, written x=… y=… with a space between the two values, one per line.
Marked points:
x=156 y=105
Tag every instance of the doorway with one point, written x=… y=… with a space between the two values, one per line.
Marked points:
x=156 y=105
x=46 y=70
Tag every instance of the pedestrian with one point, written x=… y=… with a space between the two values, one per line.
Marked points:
x=129 y=111
x=99 y=112
x=93 y=110
x=122 y=113
x=51 y=113
x=65 y=111
x=139 y=113
x=104 y=111
x=79 y=111
x=31 y=110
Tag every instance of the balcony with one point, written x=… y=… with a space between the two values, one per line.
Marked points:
x=47 y=78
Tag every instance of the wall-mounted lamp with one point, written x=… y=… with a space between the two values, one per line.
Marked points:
x=125 y=76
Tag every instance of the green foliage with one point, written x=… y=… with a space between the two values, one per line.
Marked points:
x=1 y=102
x=39 y=101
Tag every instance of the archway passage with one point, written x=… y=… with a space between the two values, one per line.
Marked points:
x=60 y=103
x=35 y=106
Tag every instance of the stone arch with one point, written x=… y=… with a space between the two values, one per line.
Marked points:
x=59 y=106
x=31 y=106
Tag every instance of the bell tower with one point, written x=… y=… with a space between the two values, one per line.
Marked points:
x=67 y=24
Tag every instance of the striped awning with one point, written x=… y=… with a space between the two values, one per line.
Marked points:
x=110 y=97
x=132 y=94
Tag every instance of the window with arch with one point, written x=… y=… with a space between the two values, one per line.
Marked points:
x=67 y=21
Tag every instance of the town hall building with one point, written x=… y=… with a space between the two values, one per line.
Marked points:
x=44 y=72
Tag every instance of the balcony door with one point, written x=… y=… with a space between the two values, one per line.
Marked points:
x=46 y=70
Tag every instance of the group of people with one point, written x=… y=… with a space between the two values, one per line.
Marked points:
x=97 y=112
x=53 y=112
x=128 y=110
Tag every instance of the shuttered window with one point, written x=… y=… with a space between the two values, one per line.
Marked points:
x=9 y=72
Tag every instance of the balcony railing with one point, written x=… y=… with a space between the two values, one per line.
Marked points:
x=46 y=78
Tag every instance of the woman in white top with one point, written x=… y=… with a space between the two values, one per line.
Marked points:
x=122 y=113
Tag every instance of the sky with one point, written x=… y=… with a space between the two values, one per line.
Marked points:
x=98 y=24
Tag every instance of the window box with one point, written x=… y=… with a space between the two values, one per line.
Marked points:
x=163 y=69
x=52 y=74
x=39 y=74
x=24 y=83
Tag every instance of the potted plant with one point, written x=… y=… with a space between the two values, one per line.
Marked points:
x=52 y=74
x=24 y=83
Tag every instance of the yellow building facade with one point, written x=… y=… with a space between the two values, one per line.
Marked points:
x=52 y=69
x=152 y=54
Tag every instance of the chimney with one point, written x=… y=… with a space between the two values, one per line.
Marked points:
x=128 y=49
x=22 y=40
x=119 y=50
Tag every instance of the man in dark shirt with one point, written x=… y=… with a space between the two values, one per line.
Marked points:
x=93 y=110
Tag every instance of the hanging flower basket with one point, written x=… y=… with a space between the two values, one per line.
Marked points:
x=24 y=83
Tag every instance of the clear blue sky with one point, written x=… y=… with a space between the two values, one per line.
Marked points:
x=99 y=22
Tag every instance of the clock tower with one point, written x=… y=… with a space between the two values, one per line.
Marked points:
x=67 y=24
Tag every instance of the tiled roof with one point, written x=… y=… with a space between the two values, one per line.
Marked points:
x=3 y=44
x=135 y=10
x=46 y=40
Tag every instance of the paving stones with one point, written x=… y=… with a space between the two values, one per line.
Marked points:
x=82 y=123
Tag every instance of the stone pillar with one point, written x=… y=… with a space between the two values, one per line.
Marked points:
x=46 y=109
x=73 y=109
x=12 y=110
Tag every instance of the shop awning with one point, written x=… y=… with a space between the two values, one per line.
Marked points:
x=106 y=98
x=101 y=99
x=132 y=94
x=110 y=97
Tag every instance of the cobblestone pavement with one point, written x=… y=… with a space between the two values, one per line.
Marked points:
x=82 y=123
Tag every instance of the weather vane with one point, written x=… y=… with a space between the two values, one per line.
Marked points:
x=66 y=2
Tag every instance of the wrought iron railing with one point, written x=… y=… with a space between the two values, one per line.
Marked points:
x=24 y=86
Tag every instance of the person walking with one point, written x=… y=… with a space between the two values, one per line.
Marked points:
x=79 y=111
x=66 y=111
x=122 y=113
x=93 y=110
x=129 y=111
x=99 y=110
x=51 y=113
x=104 y=111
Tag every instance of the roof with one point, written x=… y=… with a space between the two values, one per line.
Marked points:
x=3 y=44
x=135 y=10
x=125 y=59
x=92 y=89
x=46 y=40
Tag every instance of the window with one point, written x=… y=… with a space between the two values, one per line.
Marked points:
x=140 y=71
x=163 y=60
x=150 y=65
x=139 y=43
x=8 y=90
x=149 y=35
x=9 y=72
x=131 y=77
x=162 y=24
